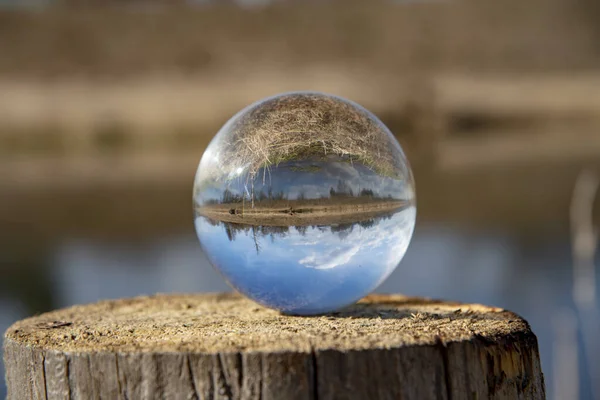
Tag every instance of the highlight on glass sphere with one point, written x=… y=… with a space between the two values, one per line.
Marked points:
x=304 y=202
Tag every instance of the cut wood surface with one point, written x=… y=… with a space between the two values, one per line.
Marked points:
x=223 y=346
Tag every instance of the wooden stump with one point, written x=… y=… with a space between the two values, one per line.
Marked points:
x=221 y=346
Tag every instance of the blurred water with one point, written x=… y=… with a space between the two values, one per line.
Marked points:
x=533 y=279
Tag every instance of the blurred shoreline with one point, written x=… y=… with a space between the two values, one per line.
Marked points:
x=491 y=101
x=514 y=143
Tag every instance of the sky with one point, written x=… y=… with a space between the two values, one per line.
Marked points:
x=313 y=178
x=315 y=272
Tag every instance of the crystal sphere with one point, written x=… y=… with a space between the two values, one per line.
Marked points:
x=304 y=202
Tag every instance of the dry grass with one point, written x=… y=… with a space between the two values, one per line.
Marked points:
x=308 y=125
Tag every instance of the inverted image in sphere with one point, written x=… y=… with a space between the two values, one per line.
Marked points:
x=304 y=202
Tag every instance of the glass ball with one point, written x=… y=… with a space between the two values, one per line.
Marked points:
x=304 y=202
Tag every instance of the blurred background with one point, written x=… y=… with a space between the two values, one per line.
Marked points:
x=107 y=106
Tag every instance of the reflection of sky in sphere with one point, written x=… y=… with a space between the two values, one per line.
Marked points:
x=312 y=271
x=313 y=179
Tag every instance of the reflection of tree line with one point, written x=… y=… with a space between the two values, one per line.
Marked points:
x=341 y=191
x=233 y=229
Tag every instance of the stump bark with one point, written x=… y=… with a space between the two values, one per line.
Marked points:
x=222 y=346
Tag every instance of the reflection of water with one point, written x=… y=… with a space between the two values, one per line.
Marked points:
x=308 y=269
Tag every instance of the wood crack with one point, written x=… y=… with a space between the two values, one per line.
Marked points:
x=214 y=381
x=44 y=375
x=95 y=390
x=261 y=389
x=315 y=374
x=225 y=377
x=67 y=368
x=240 y=363
x=446 y=363
x=118 y=377
x=192 y=377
